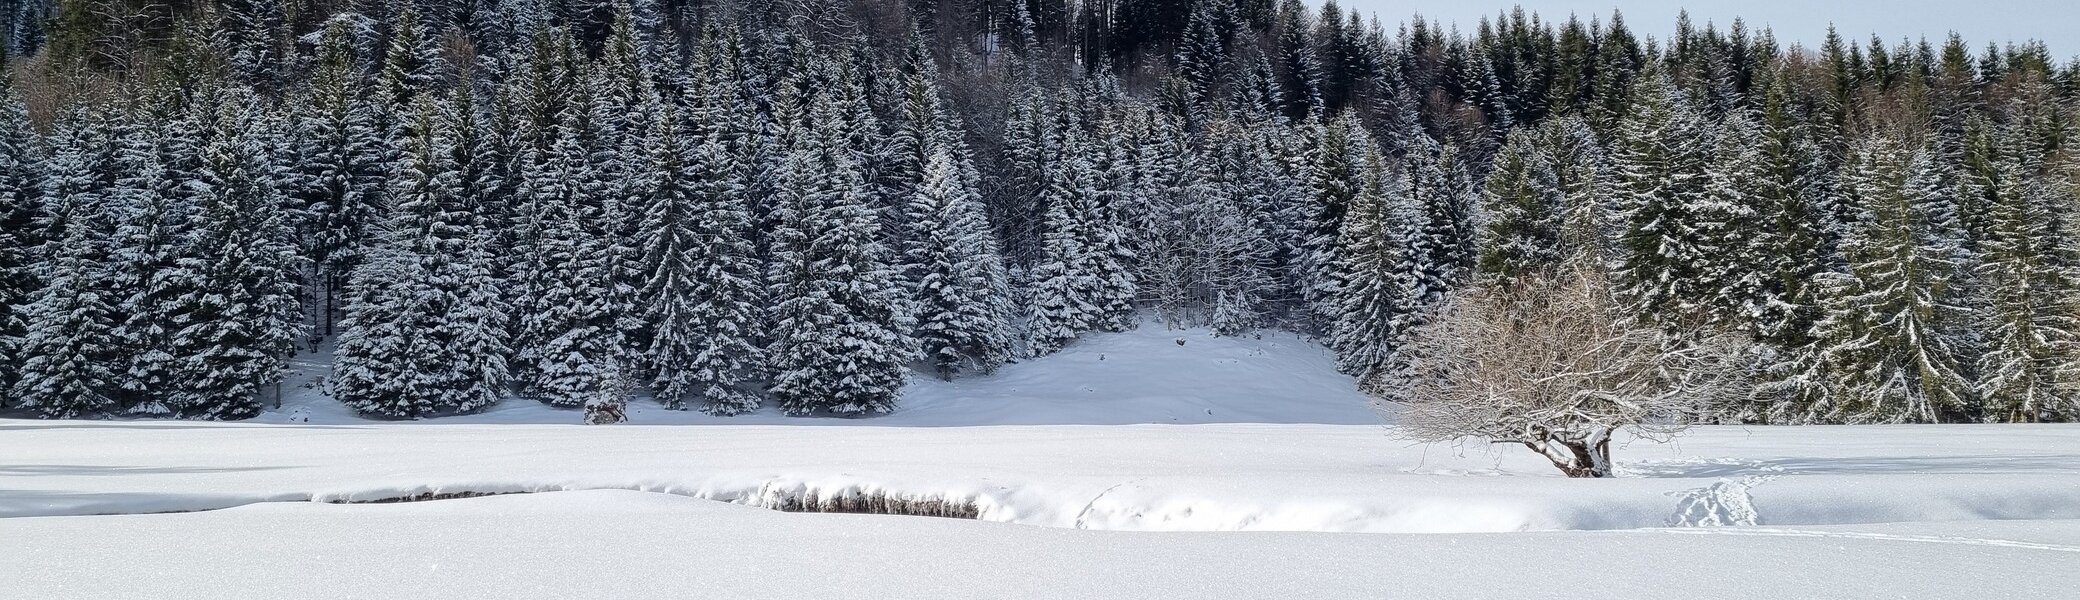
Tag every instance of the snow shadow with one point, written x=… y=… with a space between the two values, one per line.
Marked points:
x=1866 y=465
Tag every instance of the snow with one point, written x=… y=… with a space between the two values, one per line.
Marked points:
x=621 y=544
x=1128 y=466
x=1139 y=376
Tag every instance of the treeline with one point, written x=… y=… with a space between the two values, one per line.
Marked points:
x=724 y=205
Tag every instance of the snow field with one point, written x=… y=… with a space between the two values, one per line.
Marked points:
x=616 y=545
x=1229 y=477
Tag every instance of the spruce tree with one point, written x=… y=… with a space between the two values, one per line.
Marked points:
x=68 y=350
x=1380 y=265
x=157 y=203
x=1066 y=292
x=2027 y=269
x=424 y=335
x=345 y=160
x=1523 y=202
x=238 y=314
x=568 y=349
x=1333 y=179
x=1660 y=178
x=960 y=289
x=1888 y=345
x=21 y=208
x=839 y=342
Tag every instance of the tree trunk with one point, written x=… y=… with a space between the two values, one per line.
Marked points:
x=1584 y=459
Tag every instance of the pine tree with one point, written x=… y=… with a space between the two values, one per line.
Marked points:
x=68 y=349
x=345 y=159
x=1382 y=249
x=424 y=335
x=239 y=311
x=838 y=332
x=1888 y=343
x=960 y=287
x=2028 y=257
x=21 y=207
x=1523 y=202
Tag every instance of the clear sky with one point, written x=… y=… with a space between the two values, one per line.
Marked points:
x=2056 y=22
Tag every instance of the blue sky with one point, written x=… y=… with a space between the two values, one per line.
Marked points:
x=2057 y=22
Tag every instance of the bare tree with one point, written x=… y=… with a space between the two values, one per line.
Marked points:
x=1550 y=361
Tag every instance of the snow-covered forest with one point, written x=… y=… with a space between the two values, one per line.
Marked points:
x=804 y=204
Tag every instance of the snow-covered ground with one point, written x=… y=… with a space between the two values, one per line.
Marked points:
x=1276 y=481
x=1140 y=376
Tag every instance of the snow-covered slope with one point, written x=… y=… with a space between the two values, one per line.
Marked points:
x=1148 y=375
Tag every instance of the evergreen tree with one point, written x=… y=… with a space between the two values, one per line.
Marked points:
x=1660 y=175
x=424 y=335
x=68 y=348
x=1727 y=231
x=412 y=66
x=960 y=289
x=1383 y=290
x=568 y=349
x=1069 y=292
x=1334 y=178
x=2026 y=266
x=1888 y=343
x=156 y=203
x=238 y=315
x=1436 y=187
x=345 y=160
x=21 y=208
x=839 y=342
x=1523 y=202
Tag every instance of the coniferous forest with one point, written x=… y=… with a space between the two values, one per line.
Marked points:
x=801 y=204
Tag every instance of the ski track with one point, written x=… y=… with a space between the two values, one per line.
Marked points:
x=1862 y=535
